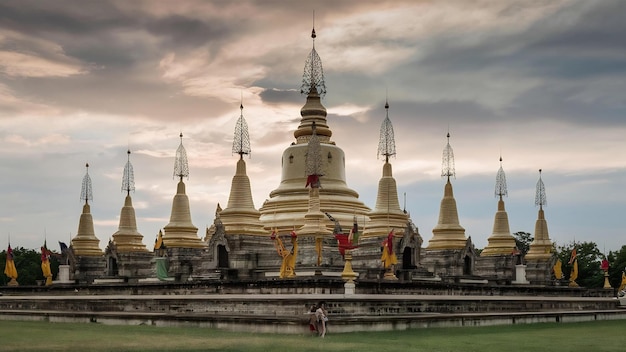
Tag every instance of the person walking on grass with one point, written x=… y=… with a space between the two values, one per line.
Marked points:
x=322 y=317
x=313 y=325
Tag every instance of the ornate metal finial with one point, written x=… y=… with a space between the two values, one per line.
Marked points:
x=85 y=191
x=386 y=143
x=540 y=194
x=128 y=180
x=314 y=159
x=181 y=165
x=447 y=168
x=241 y=142
x=313 y=77
x=501 y=182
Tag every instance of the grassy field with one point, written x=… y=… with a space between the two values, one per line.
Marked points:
x=572 y=337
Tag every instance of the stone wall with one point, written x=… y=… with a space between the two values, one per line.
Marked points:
x=288 y=313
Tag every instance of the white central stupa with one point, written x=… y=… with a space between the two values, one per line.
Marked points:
x=288 y=204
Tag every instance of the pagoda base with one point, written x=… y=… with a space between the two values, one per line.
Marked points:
x=187 y=263
x=498 y=268
x=132 y=265
x=449 y=262
x=88 y=268
x=539 y=271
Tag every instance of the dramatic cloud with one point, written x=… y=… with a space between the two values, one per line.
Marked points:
x=539 y=83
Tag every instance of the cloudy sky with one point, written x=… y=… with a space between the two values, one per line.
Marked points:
x=539 y=82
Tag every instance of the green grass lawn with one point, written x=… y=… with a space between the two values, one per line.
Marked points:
x=571 y=337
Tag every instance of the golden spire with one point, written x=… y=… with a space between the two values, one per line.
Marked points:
x=85 y=243
x=180 y=232
x=387 y=214
x=501 y=242
x=448 y=234
x=314 y=218
x=314 y=87
x=127 y=238
x=240 y=216
x=541 y=246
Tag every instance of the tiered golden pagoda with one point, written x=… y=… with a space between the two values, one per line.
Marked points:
x=387 y=215
x=289 y=203
x=240 y=216
x=448 y=234
x=541 y=246
x=501 y=242
x=85 y=243
x=180 y=232
x=127 y=238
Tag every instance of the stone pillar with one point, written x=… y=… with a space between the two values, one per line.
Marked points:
x=520 y=274
x=64 y=275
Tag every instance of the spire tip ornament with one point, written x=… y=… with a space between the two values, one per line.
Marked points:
x=241 y=142
x=86 y=193
x=313 y=77
x=181 y=165
x=128 y=179
x=386 y=142
x=501 y=189
x=447 y=168
x=540 y=194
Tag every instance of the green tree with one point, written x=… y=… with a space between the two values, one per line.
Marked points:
x=523 y=241
x=589 y=257
x=28 y=265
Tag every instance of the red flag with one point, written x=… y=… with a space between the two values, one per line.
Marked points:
x=343 y=243
x=605 y=265
x=390 y=242
x=572 y=257
x=313 y=180
x=9 y=253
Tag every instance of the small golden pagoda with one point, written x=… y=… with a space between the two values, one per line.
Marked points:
x=127 y=238
x=314 y=219
x=541 y=246
x=289 y=203
x=448 y=234
x=501 y=242
x=240 y=216
x=85 y=243
x=387 y=214
x=180 y=232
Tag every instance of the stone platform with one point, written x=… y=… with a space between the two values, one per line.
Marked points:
x=281 y=306
x=289 y=313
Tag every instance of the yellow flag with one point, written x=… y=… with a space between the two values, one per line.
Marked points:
x=558 y=272
x=319 y=244
x=9 y=269
x=622 y=286
x=574 y=274
x=158 y=244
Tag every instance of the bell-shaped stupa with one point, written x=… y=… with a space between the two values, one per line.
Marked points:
x=127 y=238
x=387 y=214
x=448 y=234
x=240 y=216
x=85 y=243
x=289 y=203
x=180 y=232
x=541 y=246
x=501 y=242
